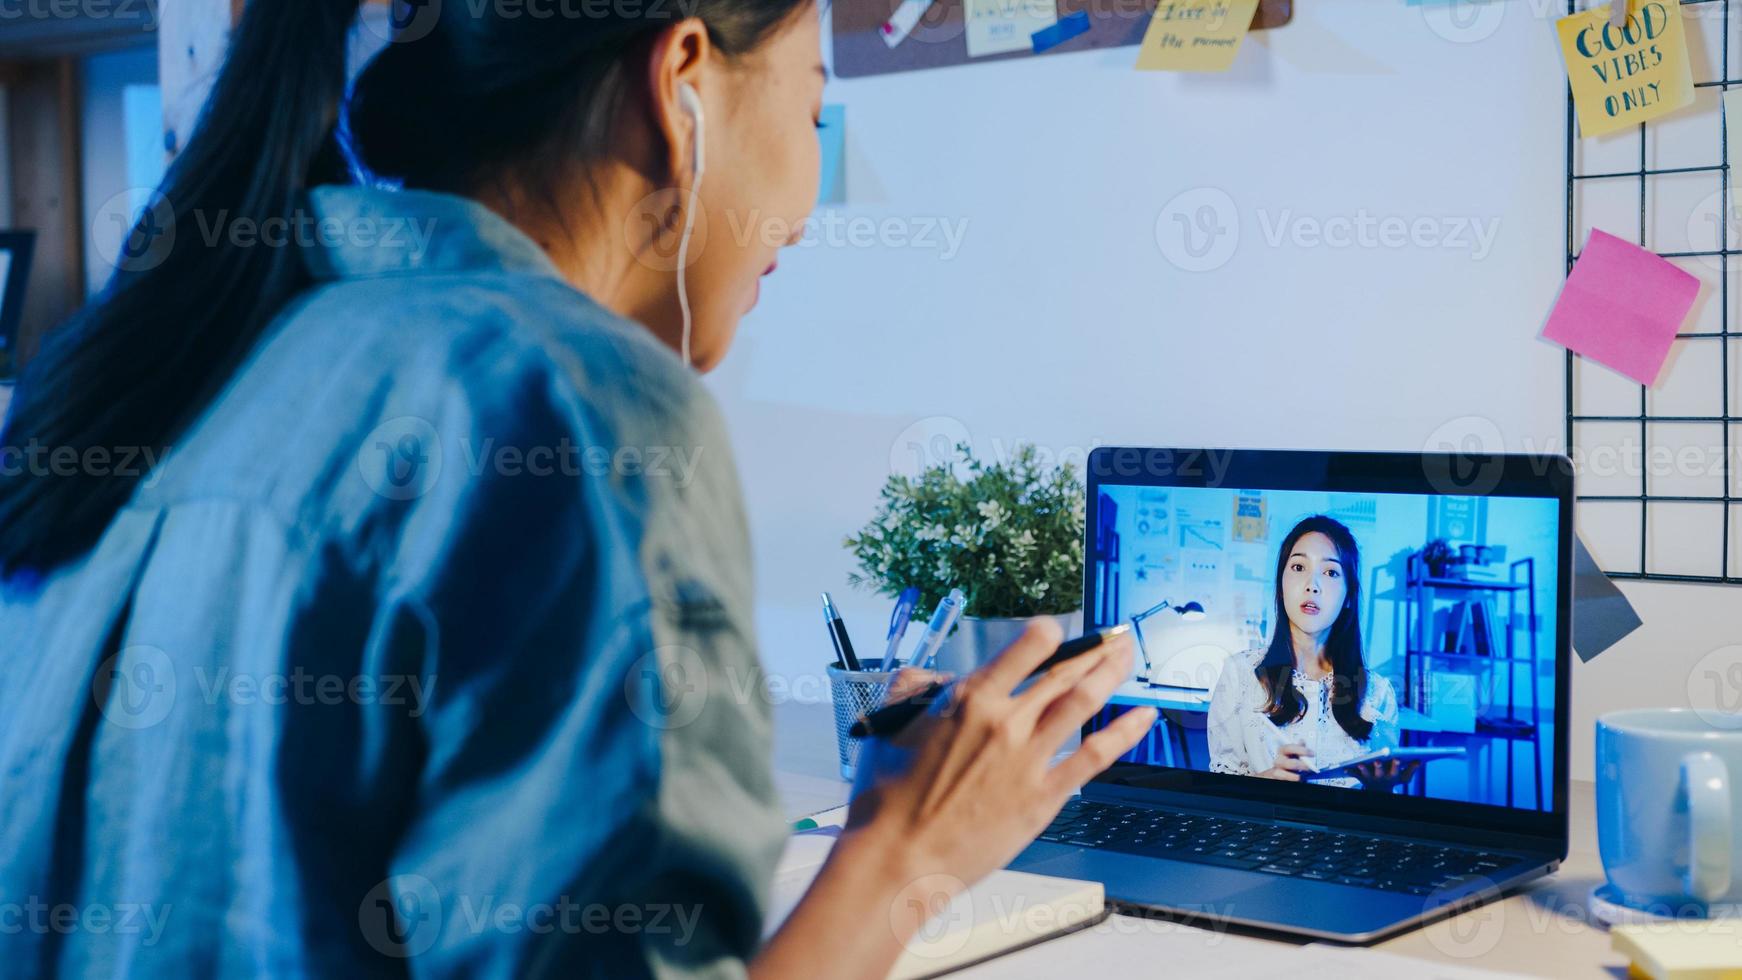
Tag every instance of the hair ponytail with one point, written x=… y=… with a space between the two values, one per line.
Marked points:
x=124 y=377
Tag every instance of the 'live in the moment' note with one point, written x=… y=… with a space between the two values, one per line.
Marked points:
x=1625 y=74
x=1195 y=35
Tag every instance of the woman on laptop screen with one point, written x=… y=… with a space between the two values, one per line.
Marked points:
x=1308 y=703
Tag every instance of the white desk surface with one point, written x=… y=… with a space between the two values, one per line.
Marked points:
x=1544 y=930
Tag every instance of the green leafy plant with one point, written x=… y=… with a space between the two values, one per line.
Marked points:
x=1438 y=556
x=1009 y=535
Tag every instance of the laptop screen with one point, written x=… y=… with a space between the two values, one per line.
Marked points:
x=1351 y=622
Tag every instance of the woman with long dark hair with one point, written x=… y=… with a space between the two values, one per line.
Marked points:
x=374 y=582
x=1307 y=701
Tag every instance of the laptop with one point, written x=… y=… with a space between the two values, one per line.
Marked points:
x=1441 y=581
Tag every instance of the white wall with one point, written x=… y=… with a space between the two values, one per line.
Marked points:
x=1064 y=319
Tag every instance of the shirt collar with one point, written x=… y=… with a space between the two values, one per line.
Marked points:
x=362 y=232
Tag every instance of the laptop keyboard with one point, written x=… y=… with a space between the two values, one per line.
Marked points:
x=1319 y=855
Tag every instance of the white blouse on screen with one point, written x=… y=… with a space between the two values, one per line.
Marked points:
x=1245 y=742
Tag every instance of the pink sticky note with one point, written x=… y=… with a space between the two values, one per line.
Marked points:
x=1622 y=307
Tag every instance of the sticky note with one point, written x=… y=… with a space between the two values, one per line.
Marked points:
x=1624 y=75
x=1195 y=35
x=1682 y=949
x=1733 y=119
x=1622 y=307
x=832 y=135
x=1002 y=26
x=1602 y=615
x=1068 y=27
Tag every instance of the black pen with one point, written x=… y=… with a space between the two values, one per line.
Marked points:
x=838 y=633
x=891 y=719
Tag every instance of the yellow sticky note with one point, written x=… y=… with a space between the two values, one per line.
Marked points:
x=1682 y=949
x=1195 y=35
x=1623 y=75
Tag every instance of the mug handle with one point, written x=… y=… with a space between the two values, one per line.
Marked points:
x=1708 y=784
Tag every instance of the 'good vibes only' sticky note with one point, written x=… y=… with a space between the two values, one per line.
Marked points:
x=1624 y=74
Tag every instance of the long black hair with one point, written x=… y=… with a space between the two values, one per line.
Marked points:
x=467 y=94
x=1342 y=647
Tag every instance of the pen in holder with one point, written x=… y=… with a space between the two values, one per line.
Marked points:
x=855 y=693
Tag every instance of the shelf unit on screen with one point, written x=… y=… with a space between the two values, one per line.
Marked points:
x=1498 y=667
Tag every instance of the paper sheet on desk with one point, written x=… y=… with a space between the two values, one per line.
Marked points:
x=1347 y=963
x=1005 y=911
x=803 y=855
x=1113 y=947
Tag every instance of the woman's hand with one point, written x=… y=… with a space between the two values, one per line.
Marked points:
x=912 y=680
x=1291 y=760
x=1385 y=774
x=979 y=788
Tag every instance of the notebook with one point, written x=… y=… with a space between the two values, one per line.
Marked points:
x=1009 y=910
x=1685 y=949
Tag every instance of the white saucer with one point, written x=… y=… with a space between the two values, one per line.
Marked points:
x=1609 y=908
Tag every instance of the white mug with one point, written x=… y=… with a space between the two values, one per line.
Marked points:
x=1668 y=798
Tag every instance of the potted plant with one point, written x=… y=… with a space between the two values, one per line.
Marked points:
x=1008 y=534
x=1439 y=558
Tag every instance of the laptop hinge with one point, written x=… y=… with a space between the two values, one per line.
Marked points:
x=1317 y=818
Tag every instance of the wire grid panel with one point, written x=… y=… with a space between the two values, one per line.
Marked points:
x=1656 y=496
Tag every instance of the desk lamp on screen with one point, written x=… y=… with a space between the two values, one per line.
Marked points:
x=1191 y=612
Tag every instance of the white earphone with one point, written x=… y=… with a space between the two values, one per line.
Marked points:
x=692 y=104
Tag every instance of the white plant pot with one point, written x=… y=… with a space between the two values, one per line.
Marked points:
x=977 y=640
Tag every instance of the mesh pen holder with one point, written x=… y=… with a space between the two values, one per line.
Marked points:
x=855 y=693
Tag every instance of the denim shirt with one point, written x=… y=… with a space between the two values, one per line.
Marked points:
x=426 y=651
